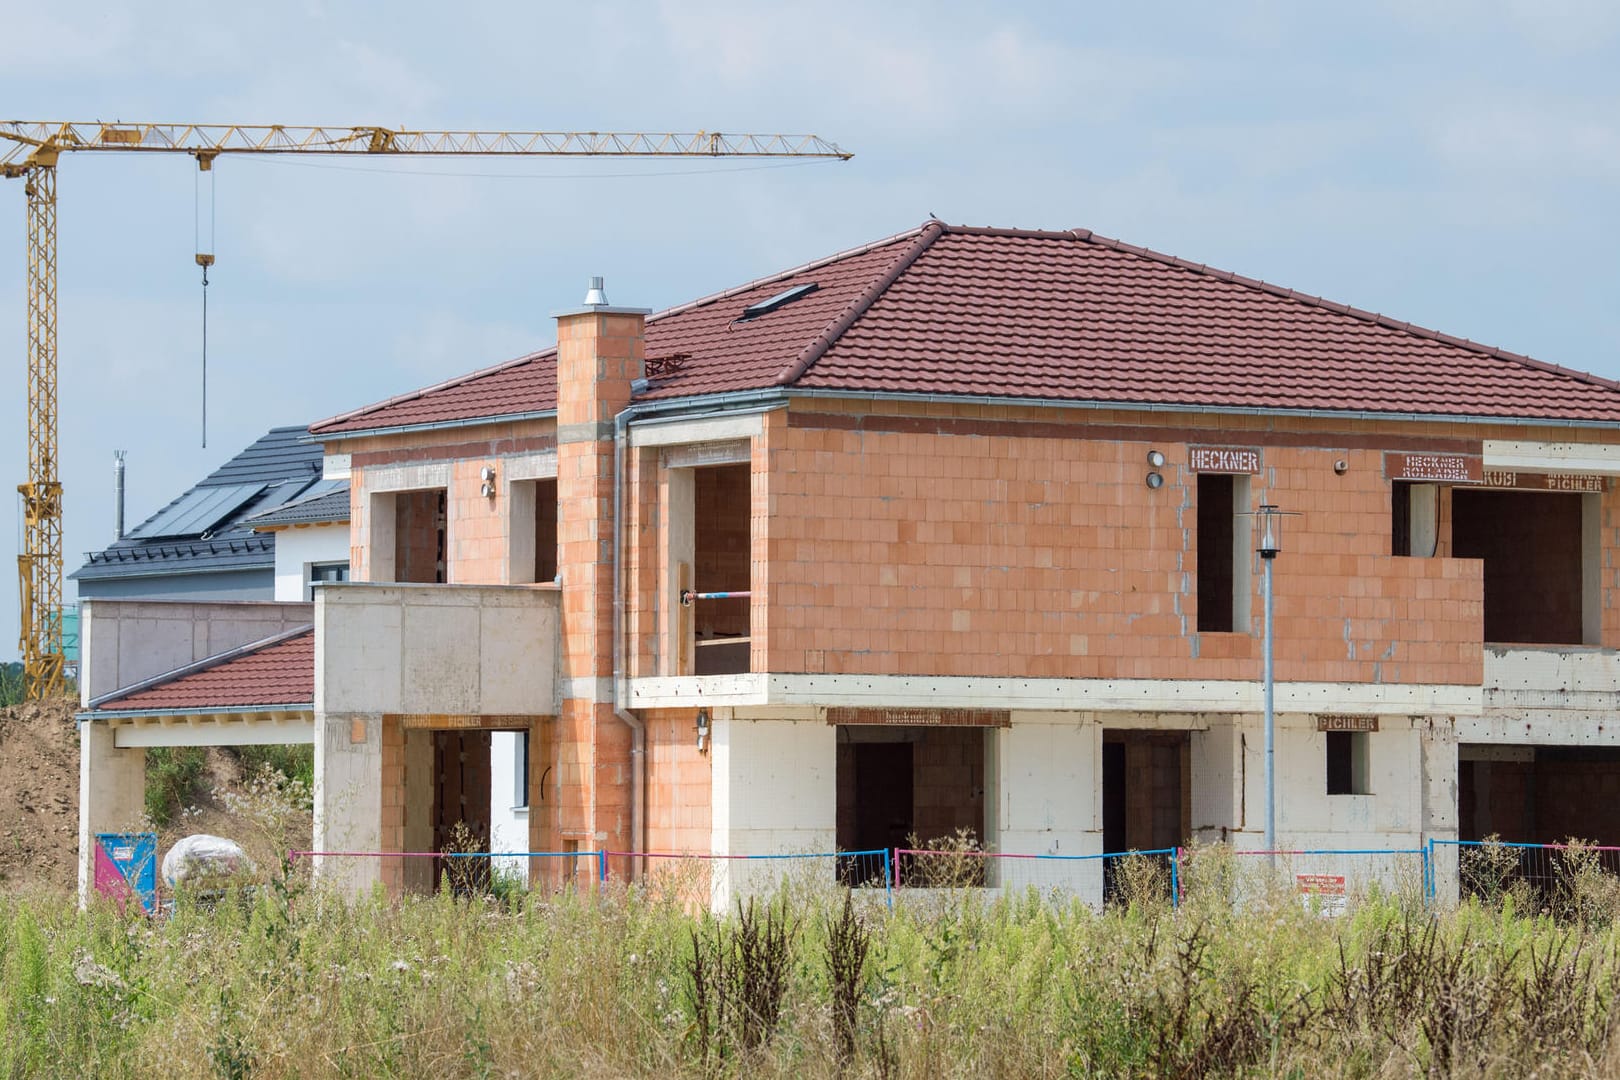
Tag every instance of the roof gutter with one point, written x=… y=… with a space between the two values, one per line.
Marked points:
x=437 y=425
x=1203 y=410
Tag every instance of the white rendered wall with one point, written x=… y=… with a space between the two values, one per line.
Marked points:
x=774 y=792
x=1043 y=778
x=297 y=547
x=508 y=822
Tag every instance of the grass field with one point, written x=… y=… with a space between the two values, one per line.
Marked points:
x=616 y=983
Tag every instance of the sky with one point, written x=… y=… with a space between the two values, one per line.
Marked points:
x=1453 y=163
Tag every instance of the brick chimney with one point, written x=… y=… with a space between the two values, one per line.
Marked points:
x=600 y=353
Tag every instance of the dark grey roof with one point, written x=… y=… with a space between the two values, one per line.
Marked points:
x=327 y=501
x=285 y=466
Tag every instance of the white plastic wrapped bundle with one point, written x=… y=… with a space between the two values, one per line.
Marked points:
x=204 y=858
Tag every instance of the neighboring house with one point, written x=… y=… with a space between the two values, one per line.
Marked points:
x=978 y=504
x=199 y=546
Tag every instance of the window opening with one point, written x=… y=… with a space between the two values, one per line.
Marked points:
x=719 y=599
x=324 y=573
x=520 y=797
x=1223 y=553
x=1414 y=518
x=1347 y=763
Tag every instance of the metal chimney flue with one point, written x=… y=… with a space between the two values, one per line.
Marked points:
x=118 y=494
x=595 y=296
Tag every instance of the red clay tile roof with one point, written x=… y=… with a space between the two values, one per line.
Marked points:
x=277 y=671
x=1065 y=316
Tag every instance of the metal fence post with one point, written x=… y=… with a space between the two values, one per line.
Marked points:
x=601 y=866
x=1175 y=877
x=888 y=879
x=1429 y=887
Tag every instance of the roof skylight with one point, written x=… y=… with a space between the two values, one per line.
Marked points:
x=781 y=299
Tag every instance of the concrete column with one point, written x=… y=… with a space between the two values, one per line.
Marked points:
x=1438 y=742
x=1217 y=781
x=112 y=794
x=349 y=798
x=1049 y=799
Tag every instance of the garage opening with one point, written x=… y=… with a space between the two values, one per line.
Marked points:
x=1540 y=562
x=1535 y=795
x=911 y=787
x=1147 y=795
x=722 y=564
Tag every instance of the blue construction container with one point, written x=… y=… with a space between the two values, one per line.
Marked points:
x=126 y=866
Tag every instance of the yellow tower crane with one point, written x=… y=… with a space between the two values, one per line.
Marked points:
x=30 y=151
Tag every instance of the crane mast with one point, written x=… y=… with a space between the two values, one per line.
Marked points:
x=30 y=150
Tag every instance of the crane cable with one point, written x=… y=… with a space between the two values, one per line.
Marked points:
x=205 y=259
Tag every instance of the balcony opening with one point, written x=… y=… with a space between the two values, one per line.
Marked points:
x=1541 y=563
x=1223 y=553
x=533 y=548
x=718 y=599
x=911 y=787
x=420 y=539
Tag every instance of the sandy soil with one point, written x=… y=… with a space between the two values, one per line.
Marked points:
x=39 y=795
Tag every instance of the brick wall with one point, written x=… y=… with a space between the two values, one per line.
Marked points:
x=965 y=547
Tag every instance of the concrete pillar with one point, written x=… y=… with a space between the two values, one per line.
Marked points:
x=600 y=353
x=1048 y=800
x=112 y=794
x=1217 y=781
x=1438 y=743
x=349 y=798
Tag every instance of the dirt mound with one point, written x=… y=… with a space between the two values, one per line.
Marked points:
x=39 y=795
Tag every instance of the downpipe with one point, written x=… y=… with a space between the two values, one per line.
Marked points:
x=621 y=683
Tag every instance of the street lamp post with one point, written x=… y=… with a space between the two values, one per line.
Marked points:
x=1270 y=545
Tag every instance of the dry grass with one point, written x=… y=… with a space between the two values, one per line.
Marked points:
x=286 y=983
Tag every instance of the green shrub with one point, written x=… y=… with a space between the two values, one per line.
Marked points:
x=173 y=781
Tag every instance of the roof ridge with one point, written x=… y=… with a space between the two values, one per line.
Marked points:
x=927 y=233
x=527 y=358
x=1311 y=300
x=204 y=664
x=802 y=268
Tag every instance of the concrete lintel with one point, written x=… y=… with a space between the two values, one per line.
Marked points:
x=1532 y=456
x=1566 y=728
x=676 y=432
x=1108 y=695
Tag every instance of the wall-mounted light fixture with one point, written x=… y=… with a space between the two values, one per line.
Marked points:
x=1156 y=459
x=703 y=731
x=487 y=475
x=1341 y=466
x=1155 y=478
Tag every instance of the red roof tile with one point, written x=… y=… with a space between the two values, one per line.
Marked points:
x=1066 y=316
x=278 y=671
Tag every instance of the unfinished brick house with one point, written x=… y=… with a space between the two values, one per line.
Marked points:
x=952 y=531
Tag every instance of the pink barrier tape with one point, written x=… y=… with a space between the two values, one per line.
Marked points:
x=850 y=868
